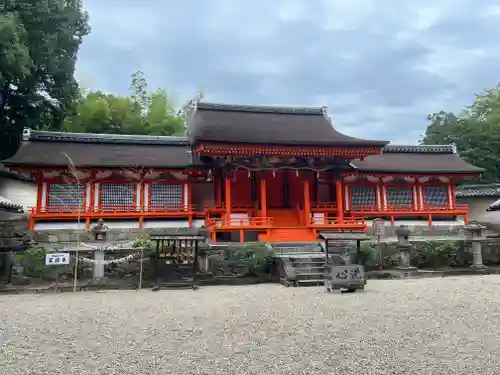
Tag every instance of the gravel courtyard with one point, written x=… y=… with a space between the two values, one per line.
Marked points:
x=426 y=326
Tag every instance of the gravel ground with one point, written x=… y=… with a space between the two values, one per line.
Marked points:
x=426 y=326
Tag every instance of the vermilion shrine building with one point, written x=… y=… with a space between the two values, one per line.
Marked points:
x=245 y=172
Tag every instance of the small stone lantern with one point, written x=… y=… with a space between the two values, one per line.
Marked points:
x=100 y=233
x=404 y=248
x=474 y=236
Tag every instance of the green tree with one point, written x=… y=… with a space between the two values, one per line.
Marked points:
x=475 y=131
x=39 y=41
x=143 y=112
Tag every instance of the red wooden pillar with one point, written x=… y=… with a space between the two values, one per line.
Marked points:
x=453 y=198
x=307 y=203
x=263 y=196
x=340 y=199
x=218 y=188
x=39 y=191
x=227 y=190
x=190 y=202
x=142 y=191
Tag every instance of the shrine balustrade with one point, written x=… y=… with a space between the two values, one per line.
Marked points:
x=91 y=200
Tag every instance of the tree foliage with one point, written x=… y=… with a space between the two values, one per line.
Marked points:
x=475 y=131
x=142 y=112
x=39 y=41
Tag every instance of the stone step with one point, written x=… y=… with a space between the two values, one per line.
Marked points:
x=307 y=275
x=311 y=282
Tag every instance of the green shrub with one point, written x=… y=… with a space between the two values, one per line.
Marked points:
x=258 y=257
x=367 y=253
x=33 y=262
x=438 y=254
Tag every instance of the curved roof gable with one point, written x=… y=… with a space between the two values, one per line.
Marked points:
x=417 y=159
x=44 y=148
x=292 y=126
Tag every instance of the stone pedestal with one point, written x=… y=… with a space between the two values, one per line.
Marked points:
x=474 y=236
x=404 y=248
x=98 y=265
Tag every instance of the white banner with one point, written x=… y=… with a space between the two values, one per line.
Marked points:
x=54 y=259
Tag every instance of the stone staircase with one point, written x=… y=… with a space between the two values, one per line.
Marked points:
x=300 y=264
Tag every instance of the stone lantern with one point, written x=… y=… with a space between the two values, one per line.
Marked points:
x=100 y=231
x=100 y=234
x=474 y=236
x=404 y=248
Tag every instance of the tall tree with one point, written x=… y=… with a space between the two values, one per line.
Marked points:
x=475 y=131
x=143 y=112
x=39 y=41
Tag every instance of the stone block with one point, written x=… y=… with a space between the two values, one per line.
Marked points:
x=40 y=236
x=63 y=237
x=122 y=236
x=52 y=238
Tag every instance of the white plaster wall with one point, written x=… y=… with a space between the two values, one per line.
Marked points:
x=477 y=210
x=19 y=192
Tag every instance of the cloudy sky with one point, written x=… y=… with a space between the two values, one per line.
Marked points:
x=379 y=65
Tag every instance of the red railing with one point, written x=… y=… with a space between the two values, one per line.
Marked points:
x=237 y=222
x=337 y=223
x=317 y=207
x=392 y=209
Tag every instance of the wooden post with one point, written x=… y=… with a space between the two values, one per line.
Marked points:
x=340 y=200
x=263 y=196
x=307 y=203
x=227 y=191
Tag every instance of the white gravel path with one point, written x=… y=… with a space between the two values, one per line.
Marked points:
x=427 y=326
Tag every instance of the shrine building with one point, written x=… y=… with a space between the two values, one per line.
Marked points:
x=246 y=173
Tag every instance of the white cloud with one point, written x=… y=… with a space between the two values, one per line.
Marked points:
x=380 y=66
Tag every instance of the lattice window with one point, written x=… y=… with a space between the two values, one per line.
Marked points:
x=400 y=195
x=70 y=194
x=435 y=195
x=363 y=196
x=166 y=195
x=118 y=196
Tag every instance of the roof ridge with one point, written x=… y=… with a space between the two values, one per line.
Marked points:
x=55 y=136
x=478 y=186
x=291 y=110
x=478 y=190
x=430 y=149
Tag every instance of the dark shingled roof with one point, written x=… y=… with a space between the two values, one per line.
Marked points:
x=268 y=126
x=481 y=190
x=417 y=159
x=4 y=173
x=101 y=150
x=8 y=205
